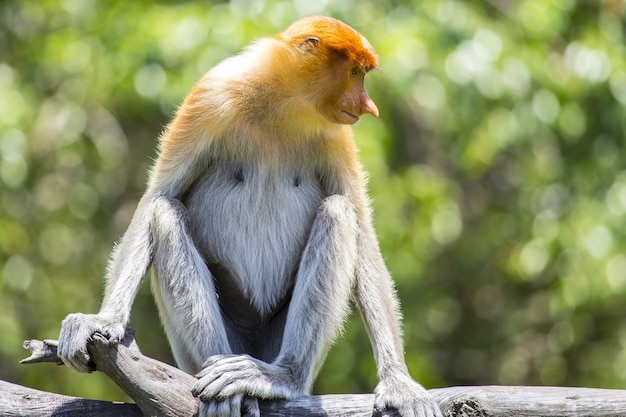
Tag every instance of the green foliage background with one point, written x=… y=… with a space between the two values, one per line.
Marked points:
x=498 y=174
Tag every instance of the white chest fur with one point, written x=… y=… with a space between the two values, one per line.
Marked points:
x=255 y=223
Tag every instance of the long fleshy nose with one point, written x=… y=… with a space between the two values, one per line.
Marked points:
x=369 y=106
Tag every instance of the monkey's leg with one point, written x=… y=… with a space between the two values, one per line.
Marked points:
x=317 y=310
x=184 y=289
x=185 y=293
x=379 y=308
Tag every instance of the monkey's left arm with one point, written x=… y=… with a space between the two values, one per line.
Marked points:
x=379 y=308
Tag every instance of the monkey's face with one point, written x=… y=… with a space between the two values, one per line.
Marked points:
x=352 y=100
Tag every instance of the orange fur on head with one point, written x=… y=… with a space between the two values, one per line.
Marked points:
x=336 y=36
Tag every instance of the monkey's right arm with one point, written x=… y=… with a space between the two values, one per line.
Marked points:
x=127 y=268
x=176 y=168
x=182 y=153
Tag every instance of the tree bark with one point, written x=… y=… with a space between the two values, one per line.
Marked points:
x=18 y=401
x=496 y=401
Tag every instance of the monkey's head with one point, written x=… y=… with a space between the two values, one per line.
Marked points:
x=335 y=59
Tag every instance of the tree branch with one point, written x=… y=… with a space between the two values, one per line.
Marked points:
x=19 y=401
x=162 y=390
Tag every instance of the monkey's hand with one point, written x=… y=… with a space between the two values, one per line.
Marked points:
x=226 y=378
x=77 y=330
x=402 y=393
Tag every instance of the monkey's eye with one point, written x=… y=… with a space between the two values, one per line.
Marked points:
x=354 y=71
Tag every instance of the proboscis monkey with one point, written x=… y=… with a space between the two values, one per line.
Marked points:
x=258 y=227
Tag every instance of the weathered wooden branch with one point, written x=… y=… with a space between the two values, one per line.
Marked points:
x=159 y=389
x=19 y=401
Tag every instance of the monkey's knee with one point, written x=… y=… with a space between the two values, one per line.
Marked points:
x=336 y=225
x=338 y=207
x=168 y=220
x=170 y=234
x=166 y=210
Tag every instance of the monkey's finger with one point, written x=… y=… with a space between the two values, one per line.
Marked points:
x=202 y=373
x=198 y=390
x=211 y=386
x=80 y=361
x=228 y=388
x=233 y=366
x=210 y=375
x=223 y=386
x=211 y=370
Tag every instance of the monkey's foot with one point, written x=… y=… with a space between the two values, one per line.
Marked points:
x=235 y=406
x=401 y=393
x=225 y=376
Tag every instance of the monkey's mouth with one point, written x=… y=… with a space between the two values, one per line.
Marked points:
x=353 y=116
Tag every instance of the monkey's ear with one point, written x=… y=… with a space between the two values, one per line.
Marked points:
x=309 y=44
